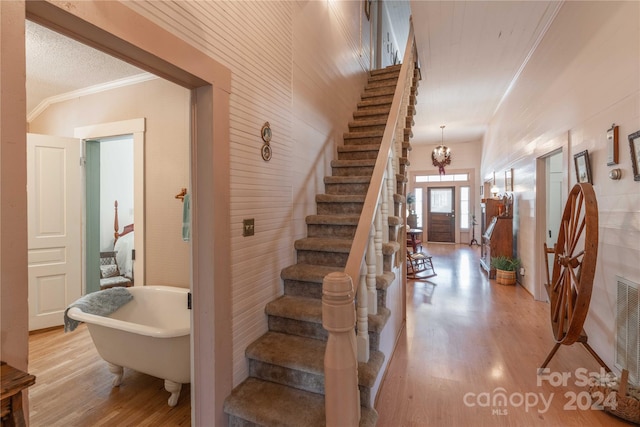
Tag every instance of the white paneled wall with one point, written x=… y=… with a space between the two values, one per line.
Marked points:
x=583 y=77
x=301 y=66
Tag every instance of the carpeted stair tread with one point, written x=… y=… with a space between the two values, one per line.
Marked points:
x=310 y=309
x=290 y=351
x=352 y=163
x=356 y=148
x=395 y=220
x=307 y=272
x=384 y=280
x=379 y=83
x=269 y=404
x=363 y=134
x=323 y=244
x=373 y=112
x=352 y=179
x=368 y=372
x=381 y=91
x=387 y=70
x=340 y=198
x=333 y=219
x=376 y=322
x=375 y=102
x=371 y=123
x=297 y=308
x=306 y=355
x=265 y=403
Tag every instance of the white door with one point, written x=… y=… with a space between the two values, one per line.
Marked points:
x=554 y=198
x=54 y=228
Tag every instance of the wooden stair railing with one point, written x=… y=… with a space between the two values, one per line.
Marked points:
x=365 y=260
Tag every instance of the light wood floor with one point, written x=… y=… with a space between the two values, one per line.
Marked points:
x=466 y=334
x=73 y=388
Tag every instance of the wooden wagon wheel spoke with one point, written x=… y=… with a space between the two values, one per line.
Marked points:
x=577 y=238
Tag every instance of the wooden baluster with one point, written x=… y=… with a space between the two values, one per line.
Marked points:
x=342 y=397
x=384 y=210
x=378 y=241
x=390 y=190
x=363 y=316
x=370 y=259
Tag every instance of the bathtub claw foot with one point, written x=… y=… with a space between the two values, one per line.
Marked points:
x=173 y=388
x=118 y=371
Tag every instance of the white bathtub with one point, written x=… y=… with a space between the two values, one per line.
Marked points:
x=150 y=334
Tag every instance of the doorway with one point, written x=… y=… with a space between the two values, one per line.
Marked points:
x=441 y=218
x=118 y=178
x=155 y=49
x=550 y=196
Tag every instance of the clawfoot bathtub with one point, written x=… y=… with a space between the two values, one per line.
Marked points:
x=150 y=334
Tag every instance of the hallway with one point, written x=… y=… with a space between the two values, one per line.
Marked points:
x=466 y=335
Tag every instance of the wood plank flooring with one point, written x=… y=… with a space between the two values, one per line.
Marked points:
x=73 y=387
x=466 y=334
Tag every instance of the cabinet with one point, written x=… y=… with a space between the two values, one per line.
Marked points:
x=13 y=383
x=497 y=234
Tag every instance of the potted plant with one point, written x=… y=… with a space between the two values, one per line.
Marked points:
x=506 y=268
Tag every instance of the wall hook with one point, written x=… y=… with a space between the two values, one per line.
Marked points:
x=181 y=194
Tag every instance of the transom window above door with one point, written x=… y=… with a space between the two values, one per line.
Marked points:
x=443 y=178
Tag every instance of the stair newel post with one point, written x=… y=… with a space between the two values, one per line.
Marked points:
x=378 y=240
x=363 y=316
x=342 y=397
x=370 y=260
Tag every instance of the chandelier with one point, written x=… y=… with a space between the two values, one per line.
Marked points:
x=441 y=155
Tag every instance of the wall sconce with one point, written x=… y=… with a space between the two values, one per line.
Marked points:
x=494 y=188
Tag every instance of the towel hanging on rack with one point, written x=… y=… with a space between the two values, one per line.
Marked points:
x=186 y=218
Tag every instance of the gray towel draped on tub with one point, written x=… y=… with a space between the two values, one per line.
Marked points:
x=101 y=303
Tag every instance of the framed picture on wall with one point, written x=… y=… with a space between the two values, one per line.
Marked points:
x=612 y=145
x=634 y=145
x=583 y=168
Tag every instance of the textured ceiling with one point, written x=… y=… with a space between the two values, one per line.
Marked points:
x=57 y=64
x=470 y=54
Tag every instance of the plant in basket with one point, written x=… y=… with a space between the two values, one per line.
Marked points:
x=506 y=268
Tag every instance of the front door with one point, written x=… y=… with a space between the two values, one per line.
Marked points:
x=441 y=214
x=54 y=228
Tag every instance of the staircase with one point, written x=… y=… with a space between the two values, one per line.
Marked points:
x=286 y=379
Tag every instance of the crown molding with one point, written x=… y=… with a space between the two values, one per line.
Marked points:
x=102 y=87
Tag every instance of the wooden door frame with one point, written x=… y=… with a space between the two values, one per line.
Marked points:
x=455 y=218
x=557 y=144
x=116 y=29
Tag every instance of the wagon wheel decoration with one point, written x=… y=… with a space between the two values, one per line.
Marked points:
x=574 y=267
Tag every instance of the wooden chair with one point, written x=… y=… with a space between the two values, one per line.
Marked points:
x=110 y=276
x=418 y=263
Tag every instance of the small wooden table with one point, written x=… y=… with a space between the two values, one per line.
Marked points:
x=13 y=382
x=414 y=235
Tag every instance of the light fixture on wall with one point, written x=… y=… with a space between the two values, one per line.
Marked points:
x=494 y=187
x=441 y=155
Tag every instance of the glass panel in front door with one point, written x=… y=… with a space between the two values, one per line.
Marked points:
x=441 y=200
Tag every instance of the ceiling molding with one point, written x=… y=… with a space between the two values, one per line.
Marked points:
x=127 y=81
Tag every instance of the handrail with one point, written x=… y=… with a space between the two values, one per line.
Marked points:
x=361 y=238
